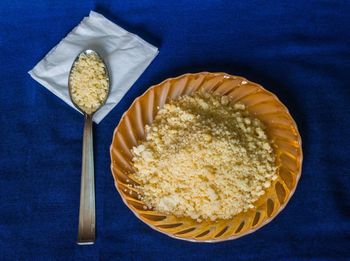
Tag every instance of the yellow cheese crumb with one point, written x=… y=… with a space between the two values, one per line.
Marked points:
x=204 y=158
x=89 y=82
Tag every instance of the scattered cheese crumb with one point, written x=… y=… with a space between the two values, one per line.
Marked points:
x=203 y=158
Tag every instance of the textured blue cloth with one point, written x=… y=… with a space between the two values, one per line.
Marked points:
x=300 y=50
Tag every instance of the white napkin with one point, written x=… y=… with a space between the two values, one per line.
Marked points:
x=125 y=54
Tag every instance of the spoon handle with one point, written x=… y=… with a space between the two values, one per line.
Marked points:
x=86 y=231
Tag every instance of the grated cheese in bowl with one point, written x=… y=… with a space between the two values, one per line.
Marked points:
x=203 y=158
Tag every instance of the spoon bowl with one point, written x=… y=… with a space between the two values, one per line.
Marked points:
x=88 y=52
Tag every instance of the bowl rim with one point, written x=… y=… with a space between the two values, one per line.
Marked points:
x=268 y=220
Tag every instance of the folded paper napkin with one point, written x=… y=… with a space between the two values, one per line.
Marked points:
x=125 y=54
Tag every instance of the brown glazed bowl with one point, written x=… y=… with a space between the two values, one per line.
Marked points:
x=281 y=128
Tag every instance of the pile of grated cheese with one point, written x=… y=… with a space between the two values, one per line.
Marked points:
x=203 y=158
x=89 y=82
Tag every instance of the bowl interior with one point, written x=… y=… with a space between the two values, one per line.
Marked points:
x=281 y=128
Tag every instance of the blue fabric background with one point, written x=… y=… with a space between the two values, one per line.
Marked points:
x=300 y=50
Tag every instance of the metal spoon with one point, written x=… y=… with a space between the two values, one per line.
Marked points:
x=87 y=217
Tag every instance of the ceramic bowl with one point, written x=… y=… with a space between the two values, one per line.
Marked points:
x=281 y=128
